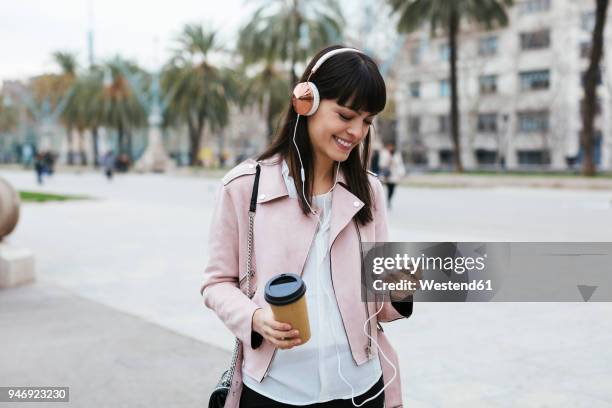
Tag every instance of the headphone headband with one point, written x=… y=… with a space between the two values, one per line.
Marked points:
x=305 y=97
x=330 y=54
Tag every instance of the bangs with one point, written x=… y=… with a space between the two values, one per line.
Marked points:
x=363 y=89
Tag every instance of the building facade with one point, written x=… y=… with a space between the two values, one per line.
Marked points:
x=520 y=91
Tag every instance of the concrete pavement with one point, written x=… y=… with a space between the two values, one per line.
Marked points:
x=108 y=358
x=140 y=249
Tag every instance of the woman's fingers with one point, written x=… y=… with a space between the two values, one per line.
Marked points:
x=286 y=344
x=282 y=334
x=277 y=325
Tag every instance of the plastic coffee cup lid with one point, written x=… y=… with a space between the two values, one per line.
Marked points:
x=284 y=289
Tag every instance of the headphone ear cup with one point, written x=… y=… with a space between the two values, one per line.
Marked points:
x=305 y=98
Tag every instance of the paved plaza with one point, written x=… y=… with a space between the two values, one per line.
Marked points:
x=116 y=312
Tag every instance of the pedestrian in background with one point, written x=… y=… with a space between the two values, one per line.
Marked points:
x=108 y=162
x=392 y=169
x=39 y=167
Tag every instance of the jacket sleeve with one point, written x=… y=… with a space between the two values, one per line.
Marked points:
x=391 y=310
x=220 y=290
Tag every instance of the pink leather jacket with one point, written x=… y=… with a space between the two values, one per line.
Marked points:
x=282 y=238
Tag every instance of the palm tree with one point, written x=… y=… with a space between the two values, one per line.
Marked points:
x=84 y=109
x=590 y=88
x=68 y=65
x=8 y=115
x=268 y=89
x=290 y=31
x=448 y=14
x=199 y=92
x=121 y=109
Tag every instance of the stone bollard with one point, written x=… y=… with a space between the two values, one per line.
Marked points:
x=16 y=264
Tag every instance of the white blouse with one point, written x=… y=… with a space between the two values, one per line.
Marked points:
x=308 y=373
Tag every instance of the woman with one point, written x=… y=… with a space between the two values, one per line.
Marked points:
x=322 y=156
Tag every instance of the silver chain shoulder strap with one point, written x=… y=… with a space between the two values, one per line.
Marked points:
x=249 y=270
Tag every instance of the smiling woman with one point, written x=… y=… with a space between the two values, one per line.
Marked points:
x=305 y=205
x=352 y=92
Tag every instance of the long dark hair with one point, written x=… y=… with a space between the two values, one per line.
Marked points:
x=349 y=78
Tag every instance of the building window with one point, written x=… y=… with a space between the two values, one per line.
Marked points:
x=487 y=122
x=415 y=54
x=587 y=20
x=585 y=49
x=487 y=46
x=597 y=77
x=535 y=40
x=444 y=52
x=414 y=125
x=533 y=157
x=444 y=87
x=533 y=6
x=534 y=80
x=487 y=84
x=415 y=89
x=447 y=157
x=443 y=123
x=486 y=157
x=533 y=121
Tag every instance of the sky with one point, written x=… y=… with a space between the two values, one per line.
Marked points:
x=140 y=30
x=30 y=30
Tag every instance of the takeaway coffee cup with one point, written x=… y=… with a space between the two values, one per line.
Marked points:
x=285 y=295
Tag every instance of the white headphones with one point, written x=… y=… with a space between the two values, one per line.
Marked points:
x=305 y=100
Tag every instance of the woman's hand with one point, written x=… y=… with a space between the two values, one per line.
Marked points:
x=279 y=334
x=403 y=276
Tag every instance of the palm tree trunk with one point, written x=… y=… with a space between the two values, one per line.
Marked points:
x=294 y=44
x=121 y=138
x=70 y=152
x=82 y=155
x=129 y=139
x=96 y=153
x=590 y=89
x=453 y=29
x=195 y=136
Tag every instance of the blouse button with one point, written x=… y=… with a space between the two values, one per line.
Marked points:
x=251 y=166
x=356 y=204
x=262 y=196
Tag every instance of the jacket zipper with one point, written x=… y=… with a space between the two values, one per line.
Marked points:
x=341 y=318
x=276 y=349
x=270 y=363
x=369 y=347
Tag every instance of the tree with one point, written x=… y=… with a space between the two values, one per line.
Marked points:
x=268 y=89
x=290 y=31
x=68 y=65
x=199 y=92
x=121 y=109
x=85 y=107
x=590 y=88
x=448 y=15
x=8 y=115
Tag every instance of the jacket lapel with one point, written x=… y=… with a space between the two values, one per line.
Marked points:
x=287 y=223
x=344 y=207
x=272 y=187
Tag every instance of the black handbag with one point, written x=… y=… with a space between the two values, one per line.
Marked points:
x=219 y=395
